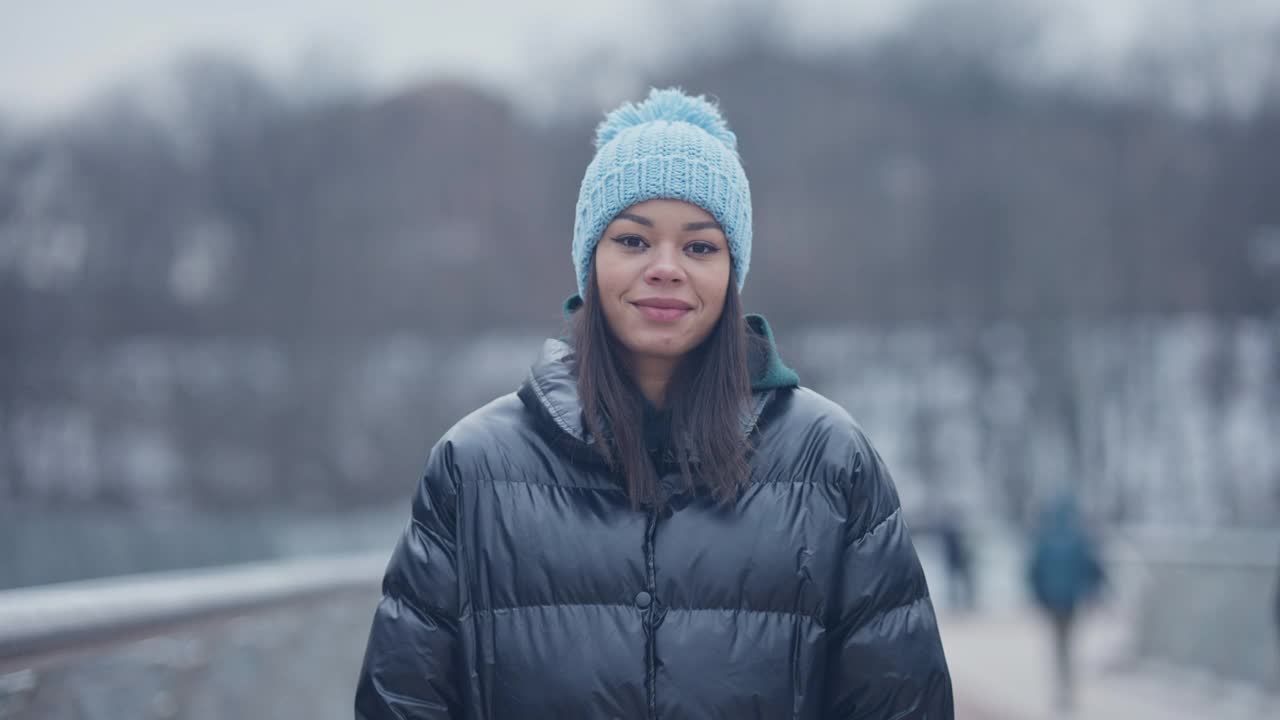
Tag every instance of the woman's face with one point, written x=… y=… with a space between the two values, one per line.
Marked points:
x=662 y=271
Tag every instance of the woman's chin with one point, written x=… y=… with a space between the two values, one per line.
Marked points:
x=657 y=343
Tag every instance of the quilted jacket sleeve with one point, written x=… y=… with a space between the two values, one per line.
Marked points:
x=886 y=657
x=411 y=665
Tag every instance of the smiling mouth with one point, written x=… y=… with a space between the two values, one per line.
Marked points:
x=662 y=314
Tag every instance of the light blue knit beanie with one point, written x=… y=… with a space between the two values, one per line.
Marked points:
x=669 y=146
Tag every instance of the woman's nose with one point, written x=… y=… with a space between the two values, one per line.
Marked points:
x=665 y=267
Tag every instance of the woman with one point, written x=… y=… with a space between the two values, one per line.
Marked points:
x=660 y=523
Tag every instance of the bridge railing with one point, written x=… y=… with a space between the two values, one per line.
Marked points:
x=278 y=639
x=1206 y=600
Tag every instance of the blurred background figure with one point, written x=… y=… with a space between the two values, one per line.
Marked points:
x=1065 y=573
x=957 y=553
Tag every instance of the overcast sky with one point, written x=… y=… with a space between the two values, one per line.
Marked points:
x=56 y=53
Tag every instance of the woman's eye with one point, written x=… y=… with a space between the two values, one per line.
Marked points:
x=630 y=241
x=703 y=248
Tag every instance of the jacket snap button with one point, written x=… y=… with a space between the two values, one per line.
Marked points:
x=643 y=600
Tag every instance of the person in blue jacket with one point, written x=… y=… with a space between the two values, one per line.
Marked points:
x=1064 y=573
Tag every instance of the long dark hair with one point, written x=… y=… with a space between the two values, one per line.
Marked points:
x=710 y=392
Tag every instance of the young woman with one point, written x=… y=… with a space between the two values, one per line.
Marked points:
x=660 y=523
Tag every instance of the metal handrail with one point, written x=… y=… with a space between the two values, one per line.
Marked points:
x=43 y=625
x=1251 y=550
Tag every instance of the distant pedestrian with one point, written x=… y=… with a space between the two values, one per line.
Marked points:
x=958 y=556
x=1064 y=574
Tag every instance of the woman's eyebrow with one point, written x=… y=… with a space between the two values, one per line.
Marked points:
x=700 y=225
x=636 y=218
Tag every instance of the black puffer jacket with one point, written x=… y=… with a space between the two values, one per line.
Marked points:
x=525 y=587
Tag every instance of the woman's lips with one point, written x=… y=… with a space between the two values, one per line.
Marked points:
x=659 y=314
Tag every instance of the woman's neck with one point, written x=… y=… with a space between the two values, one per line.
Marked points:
x=653 y=376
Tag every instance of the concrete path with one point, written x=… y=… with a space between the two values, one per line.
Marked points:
x=1000 y=666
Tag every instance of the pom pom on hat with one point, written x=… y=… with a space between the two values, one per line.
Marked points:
x=672 y=105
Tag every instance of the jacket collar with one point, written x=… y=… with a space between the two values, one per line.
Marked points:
x=551 y=389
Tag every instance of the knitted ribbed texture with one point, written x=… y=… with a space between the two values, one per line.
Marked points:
x=669 y=146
